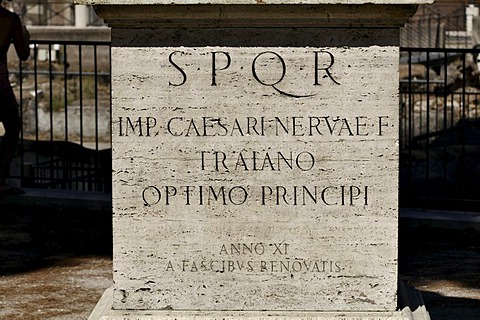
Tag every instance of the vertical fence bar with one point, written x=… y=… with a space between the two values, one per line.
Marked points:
x=22 y=145
x=96 y=165
x=51 y=181
x=80 y=166
x=410 y=162
x=65 y=183
x=464 y=123
x=445 y=125
x=35 y=92
x=427 y=142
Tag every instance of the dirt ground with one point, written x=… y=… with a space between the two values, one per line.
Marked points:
x=55 y=263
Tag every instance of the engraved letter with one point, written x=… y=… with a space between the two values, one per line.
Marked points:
x=214 y=65
x=184 y=75
x=327 y=69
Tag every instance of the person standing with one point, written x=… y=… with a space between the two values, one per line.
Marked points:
x=11 y=31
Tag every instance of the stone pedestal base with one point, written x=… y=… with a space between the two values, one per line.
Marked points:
x=103 y=311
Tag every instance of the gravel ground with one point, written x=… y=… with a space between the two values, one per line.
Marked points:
x=55 y=264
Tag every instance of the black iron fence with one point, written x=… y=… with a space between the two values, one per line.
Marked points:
x=64 y=97
x=440 y=128
x=64 y=92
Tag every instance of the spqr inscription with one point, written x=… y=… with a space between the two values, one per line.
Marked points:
x=268 y=69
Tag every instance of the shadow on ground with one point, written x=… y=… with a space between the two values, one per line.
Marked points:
x=444 y=264
x=35 y=237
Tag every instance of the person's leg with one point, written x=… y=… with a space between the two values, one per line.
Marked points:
x=10 y=118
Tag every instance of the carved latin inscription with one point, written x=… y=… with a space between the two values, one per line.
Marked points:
x=256 y=177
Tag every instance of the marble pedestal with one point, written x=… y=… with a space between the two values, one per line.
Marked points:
x=255 y=159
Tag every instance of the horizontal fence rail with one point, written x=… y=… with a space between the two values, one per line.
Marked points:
x=64 y=97
x=440 y=128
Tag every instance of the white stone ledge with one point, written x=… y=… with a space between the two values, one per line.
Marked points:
x=238 y=15
x=103 y=311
